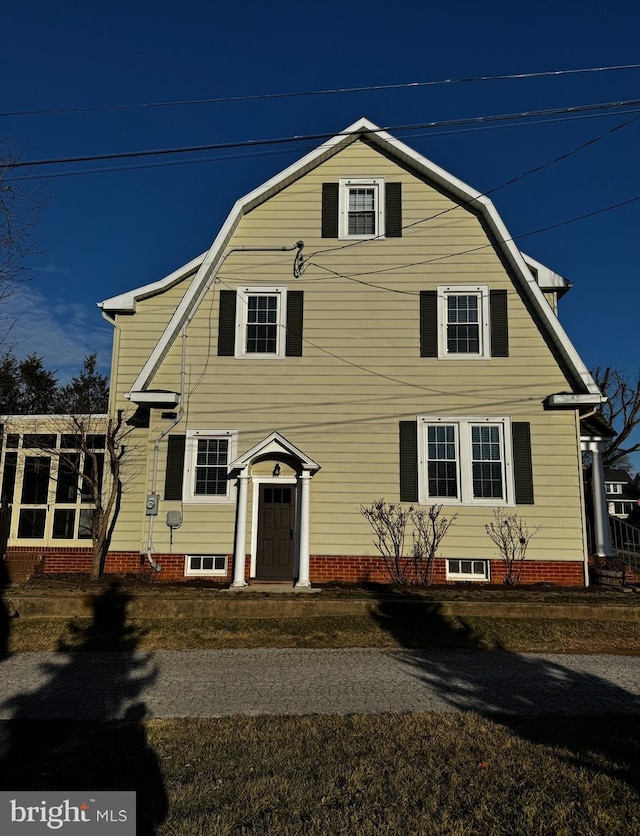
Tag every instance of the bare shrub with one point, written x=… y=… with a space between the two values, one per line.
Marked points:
x=389 y=523
x=430 y=529
x=512 y=536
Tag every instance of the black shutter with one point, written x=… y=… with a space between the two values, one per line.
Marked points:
x=329 y=210
x=428 y=323
x=227 y=324
x=393 y=210
x=295 y=309
x=522 y=467
x=175 y=467
x=499 y=323
x=408 y=461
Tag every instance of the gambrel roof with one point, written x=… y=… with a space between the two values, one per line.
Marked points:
x=204 y=268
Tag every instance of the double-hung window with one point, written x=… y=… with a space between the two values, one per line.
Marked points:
x=260 y=324
x=208 y=454
x=465 y=460
x=361 y=208
x=463 y=315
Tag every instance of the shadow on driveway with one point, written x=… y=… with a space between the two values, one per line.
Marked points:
x=549 y=701
x=104 y=747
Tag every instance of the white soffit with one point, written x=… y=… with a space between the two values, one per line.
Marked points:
x=547 y=279
x=127 y=302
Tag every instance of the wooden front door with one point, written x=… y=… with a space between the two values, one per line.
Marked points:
x=276 y=521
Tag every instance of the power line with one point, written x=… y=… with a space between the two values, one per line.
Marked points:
x=254 y=143
x=249 y=156
x=327 y=92
x=355 y=276
x=509 y=182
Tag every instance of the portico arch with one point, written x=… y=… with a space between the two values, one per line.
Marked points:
x=280 y=475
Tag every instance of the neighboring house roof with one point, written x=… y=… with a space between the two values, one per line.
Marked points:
x=616 y=476
x=629 y=491
x=522 y=268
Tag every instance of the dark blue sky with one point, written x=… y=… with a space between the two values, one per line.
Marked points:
x=104 y=233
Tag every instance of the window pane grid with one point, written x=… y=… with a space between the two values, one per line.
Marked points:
x=486 y=462
x=476 y=569
x=463 y=325
x=262 y=325
x=362 y=214
x=52 y=482
x=211 y=467
x=442 y=465
x=206 y=564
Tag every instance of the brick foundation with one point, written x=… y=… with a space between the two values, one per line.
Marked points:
x=23 y=562
x=371 y=569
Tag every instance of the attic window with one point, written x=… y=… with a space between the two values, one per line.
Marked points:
x=361 y=208
x=464 y=322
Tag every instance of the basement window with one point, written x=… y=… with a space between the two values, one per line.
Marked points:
x=467 y=570
x=206 y=564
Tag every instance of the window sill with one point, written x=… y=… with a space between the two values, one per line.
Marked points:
x=207 y=500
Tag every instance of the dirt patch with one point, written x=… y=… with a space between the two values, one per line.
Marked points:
x=137 y=585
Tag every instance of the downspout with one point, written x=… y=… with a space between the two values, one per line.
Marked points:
x=156 y=448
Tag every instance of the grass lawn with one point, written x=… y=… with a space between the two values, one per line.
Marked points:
x=440 y=774
x=416 y=630
x=382 y=774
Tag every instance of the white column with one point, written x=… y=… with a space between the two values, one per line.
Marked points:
x=600 y=511
x=303 y=543
x=239 y=552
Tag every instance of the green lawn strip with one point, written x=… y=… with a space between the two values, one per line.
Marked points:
x=416 y=630
x=457 y=774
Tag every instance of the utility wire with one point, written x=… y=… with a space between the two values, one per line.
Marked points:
x=254 y=143
x=248 y=156
x=328 y=92
x=355 y=276
x=495 y=189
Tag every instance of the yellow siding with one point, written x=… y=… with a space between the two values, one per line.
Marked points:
x=360 y=374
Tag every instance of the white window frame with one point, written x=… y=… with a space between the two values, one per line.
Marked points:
x=482 y=294
x=205 y=572
x=190 y=464
x=242 y=307
x=613 y=487
x=464 y=461
x=51 y=505
x=345 y=185
x=468 y=576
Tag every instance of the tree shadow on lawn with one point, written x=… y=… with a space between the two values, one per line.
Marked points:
x=575 y=702
x=82 y=729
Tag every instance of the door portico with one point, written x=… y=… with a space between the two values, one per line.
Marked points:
x=279 y=475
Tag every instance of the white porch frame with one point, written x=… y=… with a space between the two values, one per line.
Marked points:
x=602 y=534
x=274 y=446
